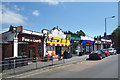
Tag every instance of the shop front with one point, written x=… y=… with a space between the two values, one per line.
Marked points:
x=57 y=46
x=30 y=45
x=87 y=44
x=75 y=45
x=97 y=45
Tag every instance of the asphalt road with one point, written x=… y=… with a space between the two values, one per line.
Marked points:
x=105 y=68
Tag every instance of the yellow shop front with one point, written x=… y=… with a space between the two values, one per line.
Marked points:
x=57 y=46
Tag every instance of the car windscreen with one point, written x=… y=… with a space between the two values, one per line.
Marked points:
x=109 y=49
x=94 y=52
x=104 y=50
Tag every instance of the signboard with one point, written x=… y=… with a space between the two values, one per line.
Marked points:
x=31 y=40
x=88 y=41
x=55 y=40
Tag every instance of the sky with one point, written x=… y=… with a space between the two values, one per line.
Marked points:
x=119 y=13
x=73 y=16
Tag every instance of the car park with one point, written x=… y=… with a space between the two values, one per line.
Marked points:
x=106 y=52
x=112 y=51
x=97 y=54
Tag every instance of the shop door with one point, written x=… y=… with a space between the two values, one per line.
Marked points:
x=58 y=50
x=31 y=52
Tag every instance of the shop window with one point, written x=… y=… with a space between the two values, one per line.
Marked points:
x=22 y=50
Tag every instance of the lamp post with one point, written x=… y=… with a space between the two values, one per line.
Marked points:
x=105 y=34
x=106 y=24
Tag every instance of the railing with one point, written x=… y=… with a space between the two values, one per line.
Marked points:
x=22 y=64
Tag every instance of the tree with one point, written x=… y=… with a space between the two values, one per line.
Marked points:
x=116 y=34
x=80 y=33
x=76 y=34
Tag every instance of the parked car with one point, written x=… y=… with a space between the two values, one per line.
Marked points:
x=106 y=52
x=112 y=51
x=118 y=50
x=97 y=54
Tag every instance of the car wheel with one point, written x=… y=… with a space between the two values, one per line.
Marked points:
x=100 y=57
x=106 y=55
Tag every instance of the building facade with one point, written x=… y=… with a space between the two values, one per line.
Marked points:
x=56 y=42
x=75 y=45
x=87 y=43
x=22 y=42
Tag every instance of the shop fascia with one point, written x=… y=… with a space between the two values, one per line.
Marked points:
x=105 y=41
x=30 y=40
x=87 y=39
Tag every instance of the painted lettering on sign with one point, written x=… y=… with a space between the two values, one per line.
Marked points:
x=31 y=40
x=53 y=40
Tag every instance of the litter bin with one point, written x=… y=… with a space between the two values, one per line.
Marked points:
x=18 y=61
x=24 y=61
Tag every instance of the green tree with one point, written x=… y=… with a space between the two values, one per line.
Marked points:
x=116 y=33
x=80 y=33
x=77 y=34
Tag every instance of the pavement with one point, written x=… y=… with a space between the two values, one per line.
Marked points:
x=41 y=66
x=106 y=68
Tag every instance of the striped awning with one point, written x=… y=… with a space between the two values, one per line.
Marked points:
x=50 y=44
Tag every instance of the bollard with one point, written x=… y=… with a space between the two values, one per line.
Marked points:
x=36 y=63
x=63 y=60
x=52 y=60
x=14 y=66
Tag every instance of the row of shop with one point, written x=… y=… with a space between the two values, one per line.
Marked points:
x=21 y=42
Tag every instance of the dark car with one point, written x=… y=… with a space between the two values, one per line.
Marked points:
x=97 y=54
x=118 y=50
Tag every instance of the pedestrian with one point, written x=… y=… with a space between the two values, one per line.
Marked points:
x=65 y=54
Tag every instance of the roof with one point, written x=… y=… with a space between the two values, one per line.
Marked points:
x=32 y=32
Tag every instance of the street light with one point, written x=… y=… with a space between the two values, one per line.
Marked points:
x=105 y=35
x=105 y=24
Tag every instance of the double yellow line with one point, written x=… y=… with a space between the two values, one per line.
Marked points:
x=32 y=74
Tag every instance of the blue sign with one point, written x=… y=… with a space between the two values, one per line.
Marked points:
x=53 y=40
x=88 y=41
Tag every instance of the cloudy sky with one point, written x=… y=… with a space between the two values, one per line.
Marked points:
x=73 y=16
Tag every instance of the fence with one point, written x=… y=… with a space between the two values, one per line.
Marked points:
x=21 y=64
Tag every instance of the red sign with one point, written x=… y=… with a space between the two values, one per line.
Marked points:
x=88 y=41
x=108 y=42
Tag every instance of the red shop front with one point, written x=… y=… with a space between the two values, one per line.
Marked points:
x=30 y=45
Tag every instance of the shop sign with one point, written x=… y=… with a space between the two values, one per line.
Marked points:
x=31 y=40
x=53 y=40
x=88 y=41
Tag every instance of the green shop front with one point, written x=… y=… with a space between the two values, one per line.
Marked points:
x=75 y=45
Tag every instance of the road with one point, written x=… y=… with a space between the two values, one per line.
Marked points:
x=105 y=68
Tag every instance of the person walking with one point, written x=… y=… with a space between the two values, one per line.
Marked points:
x=65 y=54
